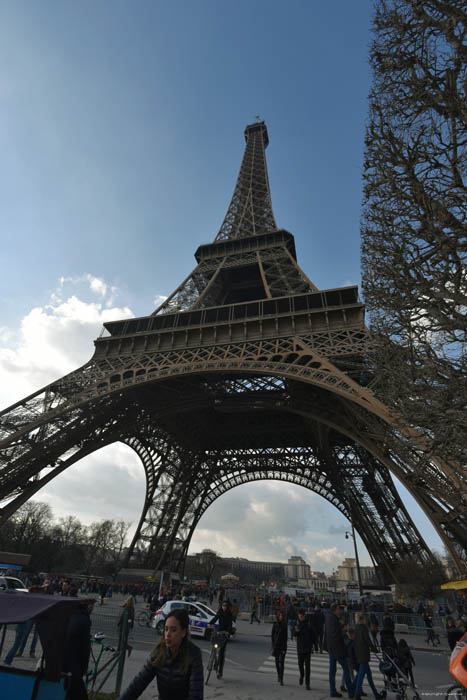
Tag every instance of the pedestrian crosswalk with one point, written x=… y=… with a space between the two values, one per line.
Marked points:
x=319 y=668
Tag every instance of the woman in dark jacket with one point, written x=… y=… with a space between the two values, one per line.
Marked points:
x=175 y=662
x=279 y=644
x=363 y=646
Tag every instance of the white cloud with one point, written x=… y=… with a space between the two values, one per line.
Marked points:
x=271 y=521
x=97 y=285
x=53 y=339
x=159 y=299
x=110 y=483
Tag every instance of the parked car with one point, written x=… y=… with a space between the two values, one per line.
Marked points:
x=199 y=613
x=9 y=583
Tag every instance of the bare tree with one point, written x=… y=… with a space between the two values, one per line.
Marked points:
x=30 y=523
x=414 y=241
x=105 y=541
x=208 y=562
x=120 y=533
x=415 y=580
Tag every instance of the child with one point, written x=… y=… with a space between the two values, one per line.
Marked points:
x=405 y=660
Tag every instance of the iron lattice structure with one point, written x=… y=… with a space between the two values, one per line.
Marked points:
x=246 y=372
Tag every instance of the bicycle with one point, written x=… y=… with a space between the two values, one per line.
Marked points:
x=218 y=642
x=456 y=692
x=144 y=618
x=91 y=676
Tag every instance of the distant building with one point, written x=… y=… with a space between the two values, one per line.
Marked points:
x=295 y=572
x=297 y=568
x=347 y=573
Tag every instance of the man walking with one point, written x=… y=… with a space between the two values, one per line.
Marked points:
x=335 y=646
x=317 y=620
x=305 y=639
x=254 y=611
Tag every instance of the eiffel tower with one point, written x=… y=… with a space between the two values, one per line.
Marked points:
x=246 y=372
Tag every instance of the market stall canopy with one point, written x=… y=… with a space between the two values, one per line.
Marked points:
x=51 y=615
x=455 y=585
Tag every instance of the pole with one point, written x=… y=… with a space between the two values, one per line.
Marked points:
x=160 y=583
x=357 y=561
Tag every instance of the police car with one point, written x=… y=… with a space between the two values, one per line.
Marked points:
x=200 y=617
x=9 y=583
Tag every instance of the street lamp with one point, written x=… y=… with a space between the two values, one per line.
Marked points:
x=357 y=561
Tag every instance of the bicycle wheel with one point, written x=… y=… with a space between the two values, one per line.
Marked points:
x=143 y=619
x=456 y=692
x=211 y=663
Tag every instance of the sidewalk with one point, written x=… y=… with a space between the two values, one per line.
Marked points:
x=238 y=684
x=260 y=683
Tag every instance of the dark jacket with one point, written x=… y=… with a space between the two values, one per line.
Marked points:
x=351 y=655
x=172 y=683
x=305 y=636
x=405 y=658
x=317 y=620
x=388 y=642
x=333 y=636
x=363 y=644
x=77 y=644
x=279 y=637
x=454 y=634
x=225 y=620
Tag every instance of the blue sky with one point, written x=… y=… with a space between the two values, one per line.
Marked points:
x=121 y=132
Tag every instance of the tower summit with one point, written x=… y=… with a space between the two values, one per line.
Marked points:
x=250 y=210
x=250 y=257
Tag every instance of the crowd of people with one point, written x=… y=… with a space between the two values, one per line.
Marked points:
x=348 y=636
x=346 y=632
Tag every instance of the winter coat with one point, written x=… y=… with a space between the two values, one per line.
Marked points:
x=351 y=655
x=77 y=644
x=317 y=620
x=172 y=683
x=279 y=637
x=405 y=658
x=388 y=642
x=362 y=644
x=333 y=636
x=225 y=619
x=454 y=634
x=305 y=636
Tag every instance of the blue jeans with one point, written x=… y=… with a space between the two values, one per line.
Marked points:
x=292 y=624
x=333 y=659
x=347 y=662
x=32 y=649
x=22 y=631
x=364 y=670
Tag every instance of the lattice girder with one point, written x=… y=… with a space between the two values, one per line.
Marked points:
x=363 y=491
x=440 y=515
x=250 y=210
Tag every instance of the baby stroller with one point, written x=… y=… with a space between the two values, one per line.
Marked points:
x=395 y=679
